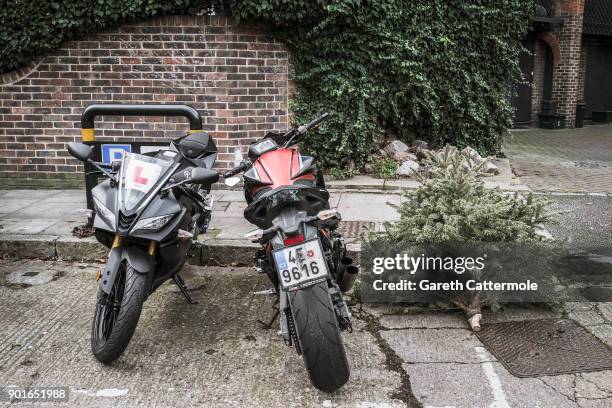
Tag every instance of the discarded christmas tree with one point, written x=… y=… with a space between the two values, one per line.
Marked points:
x=453 y=205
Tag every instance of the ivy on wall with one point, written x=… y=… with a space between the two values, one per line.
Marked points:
x=433 y=69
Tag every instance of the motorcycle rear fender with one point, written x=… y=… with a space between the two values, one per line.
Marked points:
x=291 y=220
x=139 y=259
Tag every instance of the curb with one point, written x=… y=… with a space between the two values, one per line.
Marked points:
x=214 y=252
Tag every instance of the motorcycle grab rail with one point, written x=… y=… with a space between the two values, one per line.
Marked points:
x=92 y=111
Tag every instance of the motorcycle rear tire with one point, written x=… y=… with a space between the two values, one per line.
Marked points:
x=319 y=335
x=130 y=290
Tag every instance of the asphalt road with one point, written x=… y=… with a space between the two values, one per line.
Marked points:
x=582 y=221
x=216 y=354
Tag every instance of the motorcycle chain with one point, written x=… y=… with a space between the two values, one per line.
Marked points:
x=293 y=332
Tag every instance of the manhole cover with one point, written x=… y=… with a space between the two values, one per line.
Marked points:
x=535 y=348
x=354 y=229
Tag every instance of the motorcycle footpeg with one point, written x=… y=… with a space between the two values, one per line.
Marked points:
x=268 y=292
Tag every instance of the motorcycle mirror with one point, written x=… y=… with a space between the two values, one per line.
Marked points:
x=237 y=156
x=231 y=181
x=80 y=151
x=200 y=175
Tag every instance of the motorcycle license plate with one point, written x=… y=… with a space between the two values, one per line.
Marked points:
x=301 y=265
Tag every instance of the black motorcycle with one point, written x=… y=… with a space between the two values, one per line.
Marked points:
x=147 y=211
x=302 y=252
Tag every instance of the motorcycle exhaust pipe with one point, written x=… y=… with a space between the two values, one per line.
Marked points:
x=349 y=275
x=344 y=262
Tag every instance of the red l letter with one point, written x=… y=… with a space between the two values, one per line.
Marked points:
x=138 y=178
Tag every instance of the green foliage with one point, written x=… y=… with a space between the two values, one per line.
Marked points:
x=336 y=173
x=384 y=168
x=437 y=69
x=452 y=204
x=33 y=28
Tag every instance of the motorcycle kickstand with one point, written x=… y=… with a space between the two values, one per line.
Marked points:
x=178 y=279
x=269 y=324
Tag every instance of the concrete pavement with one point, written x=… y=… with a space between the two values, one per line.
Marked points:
x=38 y=223
x=215 y=354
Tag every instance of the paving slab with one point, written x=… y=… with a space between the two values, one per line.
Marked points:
x=29 y=194
x=228 y=227
x=489 y=384
x=26 y=226
x=63 y=227
x=361 y=206
x=10 y=205
x=433 y=345
x=424 y=320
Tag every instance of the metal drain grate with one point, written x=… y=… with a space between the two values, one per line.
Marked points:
x=536 y=348
x=354 y=229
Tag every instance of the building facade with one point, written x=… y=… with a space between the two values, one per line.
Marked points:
x=568 y=63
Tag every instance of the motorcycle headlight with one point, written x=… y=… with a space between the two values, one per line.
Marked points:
x=104 y=213
x=153 y=223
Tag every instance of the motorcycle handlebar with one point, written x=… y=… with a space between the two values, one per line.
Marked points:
x=241 y=167
x=316 y=121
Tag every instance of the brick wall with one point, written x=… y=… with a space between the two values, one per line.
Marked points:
x=237 y=78
x=537 y=86
x=566 y=73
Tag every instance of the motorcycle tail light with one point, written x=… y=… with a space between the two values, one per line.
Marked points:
x=296 y=239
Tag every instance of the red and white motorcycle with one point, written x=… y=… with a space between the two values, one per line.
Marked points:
x=301 y=251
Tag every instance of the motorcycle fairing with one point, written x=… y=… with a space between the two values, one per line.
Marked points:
x=140 y=177
x=158 y=206
x=279 y=167
x=139 y=259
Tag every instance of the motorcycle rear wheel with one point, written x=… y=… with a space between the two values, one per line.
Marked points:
x=319 y=335
x=117 y=313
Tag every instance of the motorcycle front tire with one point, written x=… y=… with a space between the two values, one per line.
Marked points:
x=110 y=335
